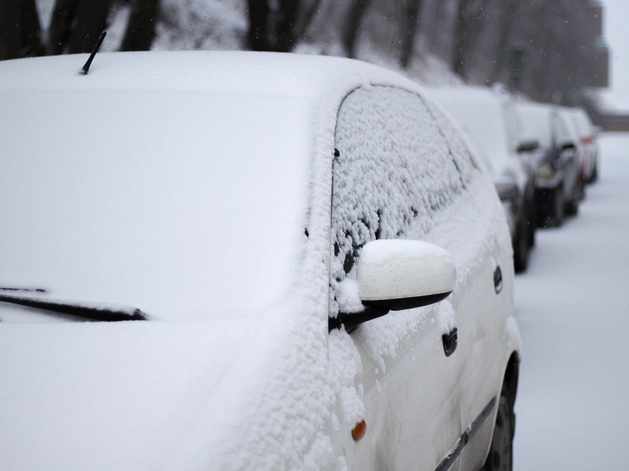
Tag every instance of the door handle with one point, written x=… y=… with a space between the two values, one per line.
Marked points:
x=498 y=280
x=450 y=341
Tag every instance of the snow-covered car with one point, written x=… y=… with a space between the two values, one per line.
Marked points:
x=302 y=265
x=558 y=169
x=587 y=133
x=488 y=117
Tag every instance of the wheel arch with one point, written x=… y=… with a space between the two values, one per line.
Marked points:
x=511 y=378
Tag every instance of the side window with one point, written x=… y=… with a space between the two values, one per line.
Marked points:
x=398 y=163
x=561 y=131
x=458 y=150
x=512 y=125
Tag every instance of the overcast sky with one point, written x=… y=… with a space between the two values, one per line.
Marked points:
x=616 y=30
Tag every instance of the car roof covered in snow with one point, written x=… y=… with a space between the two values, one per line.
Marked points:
x=237 y=71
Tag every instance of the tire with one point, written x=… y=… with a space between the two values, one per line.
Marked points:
x=533 y=220
x=594 y=175
x=532 y=227
x=557 y=212
x=521 y=247
x=572 y=206
x=500 y=456
x=581 y=193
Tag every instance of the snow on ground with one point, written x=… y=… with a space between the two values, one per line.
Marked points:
x=571 y=305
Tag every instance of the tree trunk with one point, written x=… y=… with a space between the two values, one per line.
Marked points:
x=507 y=21
x=10 y=29
x=355 y=14
x=31 y=30
x=140 y=30
x=258 y=34
x=413 y=8
x=286 y=25
x=468 y=26
x=460 y=39
x=90 y=21
x=20 y=32
x=60 y=25
x=306 y=18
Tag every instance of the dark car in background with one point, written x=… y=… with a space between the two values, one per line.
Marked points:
x=558 y=178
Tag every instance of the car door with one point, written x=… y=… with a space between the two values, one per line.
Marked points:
x=482 y=300
x=392 y=173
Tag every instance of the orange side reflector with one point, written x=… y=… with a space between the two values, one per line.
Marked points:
x=359 y=430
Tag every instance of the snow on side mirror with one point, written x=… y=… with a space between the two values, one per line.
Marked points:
x=404 y=274
x=393 y=275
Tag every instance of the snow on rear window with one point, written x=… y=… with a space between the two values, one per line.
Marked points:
x=394 y=171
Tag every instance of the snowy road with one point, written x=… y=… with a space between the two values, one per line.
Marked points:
x=573 y=310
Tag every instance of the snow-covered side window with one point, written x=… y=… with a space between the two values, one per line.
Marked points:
x=398 y=163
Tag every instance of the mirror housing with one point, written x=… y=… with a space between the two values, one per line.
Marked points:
x=507 y=190
x=528 y=146
x=395 y=275
x=404 y=274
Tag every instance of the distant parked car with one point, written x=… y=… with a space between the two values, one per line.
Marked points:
x=303 y=266
x=581 y=147
x=556 y=161
x=587 y=133
x=489 y=119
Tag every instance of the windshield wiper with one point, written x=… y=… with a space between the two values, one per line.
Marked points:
x=85 y=311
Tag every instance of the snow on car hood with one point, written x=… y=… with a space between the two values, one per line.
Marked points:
x=127 y=395
x=186 y=205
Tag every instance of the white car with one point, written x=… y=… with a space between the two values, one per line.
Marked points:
x=302 y=266
x=489 y=119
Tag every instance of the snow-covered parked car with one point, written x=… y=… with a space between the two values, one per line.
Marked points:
x=302 y=266
x=488 y=117
x=558 y=178
x=588 y=140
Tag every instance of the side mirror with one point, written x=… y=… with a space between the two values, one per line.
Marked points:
x=567 y=146
x=527 y=146
x=507 y=190
x=395 y=275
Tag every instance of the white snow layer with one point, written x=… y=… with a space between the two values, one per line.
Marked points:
x=572 y=309
x=252 y=389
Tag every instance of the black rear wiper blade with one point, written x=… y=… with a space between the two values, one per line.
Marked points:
x=85 y=311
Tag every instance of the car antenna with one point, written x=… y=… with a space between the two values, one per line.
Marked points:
x=86 y=67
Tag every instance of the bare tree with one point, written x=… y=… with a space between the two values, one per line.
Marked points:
x=140 y=30
x=279 y=25
x=355 y=15
x=258 y=34
x=468 y=28
x=413 y=9
x=286 y=24
x=20 y=31
x=506 y=22
x=76 y=25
